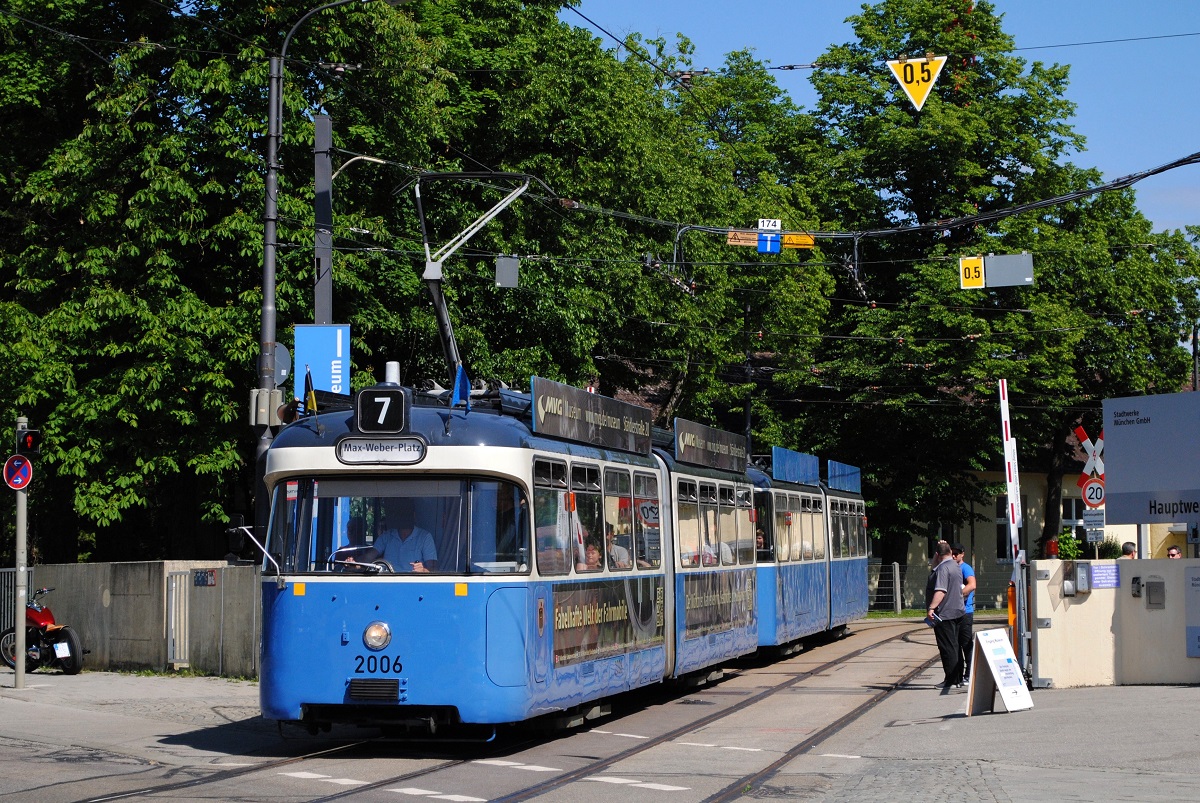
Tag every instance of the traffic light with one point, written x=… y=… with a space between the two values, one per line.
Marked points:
x=29 y=442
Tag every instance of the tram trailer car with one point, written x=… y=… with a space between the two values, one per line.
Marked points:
x=812 y=566
x=536 y=575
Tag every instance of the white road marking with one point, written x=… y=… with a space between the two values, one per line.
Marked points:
x=316 y=776
x=661 y=787
x=836 y=755
x=747 y=749
x=631 y=736
x=516 y=765
x=461 y=798
x=412 y=790
x=695 y=744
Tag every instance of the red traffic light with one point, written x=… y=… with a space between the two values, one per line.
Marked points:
x=29 y=442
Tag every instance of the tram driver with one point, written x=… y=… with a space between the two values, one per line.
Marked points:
x=402 y=543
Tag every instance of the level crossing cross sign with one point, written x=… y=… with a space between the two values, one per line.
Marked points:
x=1094 y=464
x=18 y=472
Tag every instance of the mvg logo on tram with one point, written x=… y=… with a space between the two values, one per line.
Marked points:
x=553 y=405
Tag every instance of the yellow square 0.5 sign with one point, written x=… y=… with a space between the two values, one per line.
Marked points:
x=970 y=273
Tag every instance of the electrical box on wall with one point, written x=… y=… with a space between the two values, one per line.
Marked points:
x=1077 y=578
x=1083 y=578
x=1156 y=593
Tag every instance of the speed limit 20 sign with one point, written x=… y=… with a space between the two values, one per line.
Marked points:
x=1093 y=492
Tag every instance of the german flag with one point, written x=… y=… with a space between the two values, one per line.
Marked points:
x=310 y=395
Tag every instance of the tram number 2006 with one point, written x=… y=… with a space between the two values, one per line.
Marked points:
x=371 y=664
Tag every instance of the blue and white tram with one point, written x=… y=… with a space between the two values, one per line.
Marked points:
x=545 y=577
x=849 y=550
x=712 y=509
x=812 y=566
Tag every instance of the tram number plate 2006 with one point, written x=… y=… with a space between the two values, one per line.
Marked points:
x=376 y=664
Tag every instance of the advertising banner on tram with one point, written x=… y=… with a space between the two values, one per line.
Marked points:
x=602 y=618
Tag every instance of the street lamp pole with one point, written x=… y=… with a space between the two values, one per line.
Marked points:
x=266 y=362
x=265 y=415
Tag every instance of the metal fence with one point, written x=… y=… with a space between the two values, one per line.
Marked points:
x=8 y=596
x=894 y=587
x=886 y=584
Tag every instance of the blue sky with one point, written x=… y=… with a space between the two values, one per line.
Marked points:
x=1138 y=102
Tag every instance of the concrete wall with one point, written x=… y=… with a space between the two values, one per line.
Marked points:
x=223 y=623
x=119 y=611
x=1109 y=636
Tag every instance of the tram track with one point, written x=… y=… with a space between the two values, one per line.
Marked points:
x=654 y=741
x=749 y=783
x=597 y=766
x=730 y=792
x=221 y=775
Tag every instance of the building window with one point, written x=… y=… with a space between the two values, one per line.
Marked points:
x=1072 y=516
x=944 y=531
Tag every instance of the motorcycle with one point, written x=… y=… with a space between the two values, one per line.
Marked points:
x=47 y=643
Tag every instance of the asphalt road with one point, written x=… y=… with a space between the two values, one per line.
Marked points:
x=860 y=718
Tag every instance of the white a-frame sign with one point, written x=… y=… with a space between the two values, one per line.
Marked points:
x=996 y=675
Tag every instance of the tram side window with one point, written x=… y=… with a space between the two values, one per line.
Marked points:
x=839 y=519
x=820 y=537
x=806 y=528
x=797 y=530
x=287 y=523
x=783 y=527
x=499 y=527
x=647 y=527
x=727 y=524
x=689 y=524
x=711 y=548
x=856 y=544
x=618 y=529
x=745 y=525
x=764 y=526
x=589 y=515
x=552 y=518
x=860 y=531
x=843 y=533
x=834 y=532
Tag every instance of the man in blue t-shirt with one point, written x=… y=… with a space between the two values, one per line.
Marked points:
x=966 y=625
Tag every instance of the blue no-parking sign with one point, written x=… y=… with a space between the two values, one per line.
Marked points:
x=18 y=472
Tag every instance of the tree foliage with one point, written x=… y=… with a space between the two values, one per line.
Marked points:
x=914 y=380
x=131 y=254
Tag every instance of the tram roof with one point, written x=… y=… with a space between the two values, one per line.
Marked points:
x=500 y=418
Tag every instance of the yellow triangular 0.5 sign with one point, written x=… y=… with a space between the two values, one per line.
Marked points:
x=917 y=76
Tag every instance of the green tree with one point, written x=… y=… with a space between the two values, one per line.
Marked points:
x=909 y=380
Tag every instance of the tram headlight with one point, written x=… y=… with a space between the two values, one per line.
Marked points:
x=377 y=636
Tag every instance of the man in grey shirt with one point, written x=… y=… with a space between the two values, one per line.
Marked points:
x=944 y=604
